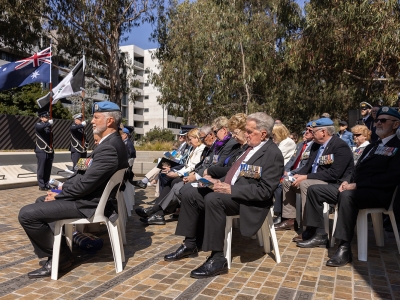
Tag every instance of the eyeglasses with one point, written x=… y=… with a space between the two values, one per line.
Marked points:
x=202 y=138
x=216 y=131
x=314 y=131
x=357 y=134
x=309 y=130
x=383 y=120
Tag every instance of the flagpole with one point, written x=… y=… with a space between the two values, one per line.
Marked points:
x=51 y=97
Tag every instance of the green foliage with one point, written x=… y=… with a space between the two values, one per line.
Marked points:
x=160 y=135
x=154 y=146
x=22 y=101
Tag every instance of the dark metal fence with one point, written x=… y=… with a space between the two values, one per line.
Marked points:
x=18 y=133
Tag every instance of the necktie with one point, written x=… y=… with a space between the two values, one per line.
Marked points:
x=315 y=163
x=236 y=166
x=296 y=163
x=371 y=152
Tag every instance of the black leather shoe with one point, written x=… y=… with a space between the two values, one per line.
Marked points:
x=316 y=241
x=139 y=184
x=287 y=224
x=45 y=270
x=212 y=267
x=306 y=235
x=42 y=188
x=341 y=257
x=277 y=220
x=181 y=252
x=153 y=220
x=143 y=212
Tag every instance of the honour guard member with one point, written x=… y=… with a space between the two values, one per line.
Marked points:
x=78 y=140
x=367 y=118
x=44 y=150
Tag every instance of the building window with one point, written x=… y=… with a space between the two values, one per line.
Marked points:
x=146 y=84
x=147 y=71
x=146 y=97
x=146 y=122
x=174 y=125
x=146 y=110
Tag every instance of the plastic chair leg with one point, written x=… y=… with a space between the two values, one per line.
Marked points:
x=334 y=227
x=395 y=230
x=228 y=240
x=56 y=250
x=326 y=217
x=115 y=245
x=362 y=235
x=377 y=223
x=264 y=230
x=272 y=233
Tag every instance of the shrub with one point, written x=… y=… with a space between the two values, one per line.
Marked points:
x=158 y=134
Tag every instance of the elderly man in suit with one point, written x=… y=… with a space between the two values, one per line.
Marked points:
x=81 y=193
x=330 y=160
x=247 y=190
x=370 y=185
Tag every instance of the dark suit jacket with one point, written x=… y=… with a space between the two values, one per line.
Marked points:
x=206 y=160
x=86 y=188
x=378 y=172
x=255 y=195
x=225 y=150
x=292 y=160
x=219 y=170
x=341 y=167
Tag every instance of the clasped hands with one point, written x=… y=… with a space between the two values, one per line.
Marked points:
x=345 y=186
x=219 y=187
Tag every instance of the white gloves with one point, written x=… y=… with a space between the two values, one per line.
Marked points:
x=83 y=123
x=51 y=122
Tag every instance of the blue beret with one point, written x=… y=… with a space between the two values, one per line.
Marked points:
x=125 y=130
x=105 y=106
x=309 y=124
x=322 y=122
x=386 y=110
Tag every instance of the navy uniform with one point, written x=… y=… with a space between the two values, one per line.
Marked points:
x=368 y=120
x=78 y=140
x=130 y=148
x=44 y=150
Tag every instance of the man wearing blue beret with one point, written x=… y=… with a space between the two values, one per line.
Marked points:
x=81 y=193
x=130 y=148
x=370 y=185
x=330 y=160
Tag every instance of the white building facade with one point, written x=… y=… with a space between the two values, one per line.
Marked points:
x=145 y=112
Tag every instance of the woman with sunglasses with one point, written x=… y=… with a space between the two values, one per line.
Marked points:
x=361 y=136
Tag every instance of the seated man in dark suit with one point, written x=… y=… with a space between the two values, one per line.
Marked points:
x=370 y=185
x=247 y=189
x=81 y=193
x=330 y=160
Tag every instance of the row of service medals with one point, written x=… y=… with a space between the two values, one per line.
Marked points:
x=250 y=171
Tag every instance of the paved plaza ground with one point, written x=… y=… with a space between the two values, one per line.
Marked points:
x=302 y=274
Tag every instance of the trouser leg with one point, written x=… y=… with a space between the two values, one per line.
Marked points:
x=41 y=163
x=191 y=207
x=217 y=207
x=278 y=200
x=289 y=200
x=35 y=219
x=47 y=168
x=304 y=185
x=316 y=196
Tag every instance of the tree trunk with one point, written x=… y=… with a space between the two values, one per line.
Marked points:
x=113 y=67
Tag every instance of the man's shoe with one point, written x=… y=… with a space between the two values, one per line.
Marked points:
x=43 y=188
x=341 y=257
x=139 y=184
x=154 y=220
x=182 y=252
x=306 y=235
x=212 y=267
x=45 y=270
x=143 y=212
x=277 y=220
x=287 y=224
x=316 y=241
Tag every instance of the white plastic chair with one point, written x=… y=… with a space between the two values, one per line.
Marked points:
x=266 y=231
x=362 y=228
x=113 y=228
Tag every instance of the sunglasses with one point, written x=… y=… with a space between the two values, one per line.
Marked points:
x=356 y=134
x=383 y=120
x=309 y=130
x=216 y=131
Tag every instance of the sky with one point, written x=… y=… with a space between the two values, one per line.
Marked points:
x=140 y=35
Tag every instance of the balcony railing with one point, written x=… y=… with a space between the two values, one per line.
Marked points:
x=138 y=64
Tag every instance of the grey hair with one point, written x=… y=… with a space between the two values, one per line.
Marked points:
x=116 y=115
x=263 y=121
x=330 y=130
x=206 y=129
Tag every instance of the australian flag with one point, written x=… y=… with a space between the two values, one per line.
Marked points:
x=29 y=70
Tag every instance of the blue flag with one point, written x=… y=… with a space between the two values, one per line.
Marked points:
x=29 y=70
